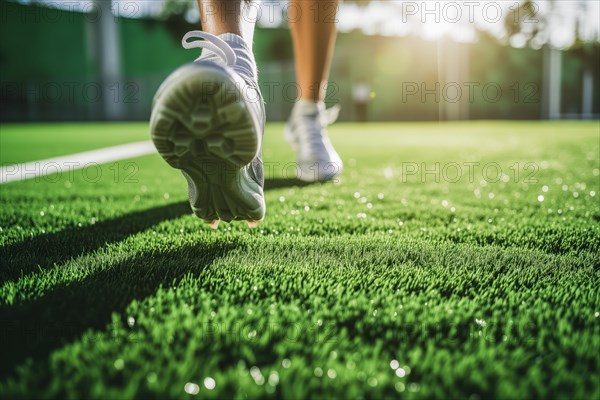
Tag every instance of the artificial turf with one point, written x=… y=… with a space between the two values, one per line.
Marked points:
x=387 y=283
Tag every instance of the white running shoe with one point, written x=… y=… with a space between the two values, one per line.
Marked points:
x=306 y=132
x=207 y=120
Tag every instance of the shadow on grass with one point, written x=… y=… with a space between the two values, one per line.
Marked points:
x=35 y=328
x=280 y=183
x=43 y=251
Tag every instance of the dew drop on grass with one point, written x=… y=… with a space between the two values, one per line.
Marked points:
x=544 y=188
x=209 y=383
x=42 y=213
x=254 y=371
x=592 y=193
x=151 y=378
x=540 y=198
x=119 y=364
x=597 y=314
x=318 y=372
x=273 y=378
x=400 y=387
x=400 y=373
x=286 y=363
x=372 y=382
x=380 y=196
x=281 y=199
x=191 y=388
x=331 y=373
x=130 y=321
x=394 y=364
x=414 y=387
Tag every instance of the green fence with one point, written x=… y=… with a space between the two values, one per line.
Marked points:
x=48 y=70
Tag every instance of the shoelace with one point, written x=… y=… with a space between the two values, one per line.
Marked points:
x=212 y=43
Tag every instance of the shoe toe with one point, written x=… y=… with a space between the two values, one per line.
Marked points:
x=320 y=170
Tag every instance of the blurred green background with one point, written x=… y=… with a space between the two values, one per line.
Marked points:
x=58 y=64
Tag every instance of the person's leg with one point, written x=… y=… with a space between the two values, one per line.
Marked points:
x=229 y=16
x=208 y=117
x=312 y=23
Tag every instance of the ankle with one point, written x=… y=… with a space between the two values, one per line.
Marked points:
x=308 y=106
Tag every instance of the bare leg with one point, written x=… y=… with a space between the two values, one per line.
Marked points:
x=312 y=23
x=229 y=16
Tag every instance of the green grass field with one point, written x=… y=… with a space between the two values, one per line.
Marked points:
x=472 y=284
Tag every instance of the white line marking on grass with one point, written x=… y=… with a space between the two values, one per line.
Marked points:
x=68 y=163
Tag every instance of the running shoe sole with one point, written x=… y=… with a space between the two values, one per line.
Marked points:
x=202 y=124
